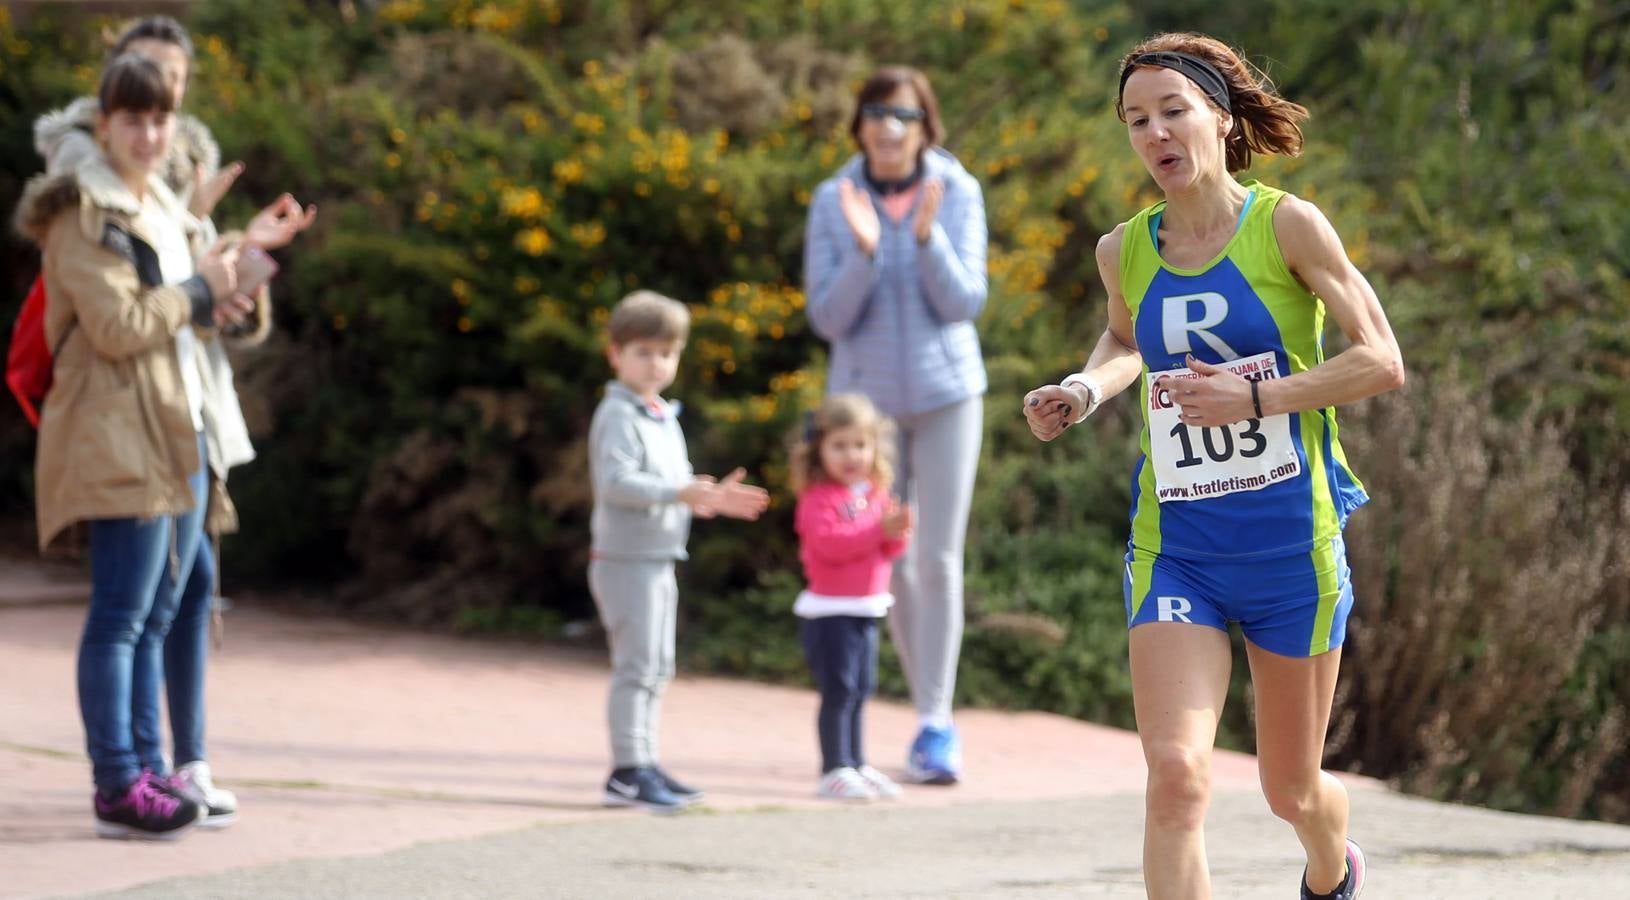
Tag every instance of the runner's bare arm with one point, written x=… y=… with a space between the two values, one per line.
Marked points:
x=1113 y=365
x=1373 y=364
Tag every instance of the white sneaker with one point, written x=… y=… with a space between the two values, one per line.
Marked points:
x=846 y=784
x=882 y=784
x=194 y=781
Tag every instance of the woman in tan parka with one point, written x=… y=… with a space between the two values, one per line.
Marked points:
x=193 y=170
x=131 y=295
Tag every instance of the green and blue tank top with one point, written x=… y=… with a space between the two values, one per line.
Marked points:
x=1262 y=487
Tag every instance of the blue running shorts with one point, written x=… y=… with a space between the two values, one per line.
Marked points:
x=1293 y=605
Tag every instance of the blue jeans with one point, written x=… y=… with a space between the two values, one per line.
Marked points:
x=136 y=567
x=186 y=651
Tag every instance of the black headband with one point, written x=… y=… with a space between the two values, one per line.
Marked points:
x=1195 y=69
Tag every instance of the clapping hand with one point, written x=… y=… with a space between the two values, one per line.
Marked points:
x=861 y=215
x=279 y=222
x=219 y=268
x=922 y=226
x=729 y=497
x=898 y=521
x=207 y=191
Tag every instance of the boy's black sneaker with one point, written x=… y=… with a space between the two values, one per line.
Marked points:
x=145 y=811
x=686 y=794
x=640 y=787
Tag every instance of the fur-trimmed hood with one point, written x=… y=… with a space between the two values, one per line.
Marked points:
x=44 y=198
x=64 y=138
x=92 y=186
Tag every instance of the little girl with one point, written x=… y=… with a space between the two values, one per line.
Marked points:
x=850 y=531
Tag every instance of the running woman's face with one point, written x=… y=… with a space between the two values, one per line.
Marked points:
x=1173 y=127
x=136 y=141
x=847 y=454
x=892 y=134
x=170 y=59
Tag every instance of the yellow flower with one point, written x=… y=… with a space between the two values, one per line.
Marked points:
x=588 y=234
x=395 y=12
x=464 y=324
x=588 y=122
x=461 y=290
x=533 y=241
x=491 y=18
x=392 y=160
x=523 y=203
x=568 y=171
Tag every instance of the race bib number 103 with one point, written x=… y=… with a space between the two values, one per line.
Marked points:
x=1193 y=463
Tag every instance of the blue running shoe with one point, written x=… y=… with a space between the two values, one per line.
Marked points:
x=642 y=788
x=936 y=757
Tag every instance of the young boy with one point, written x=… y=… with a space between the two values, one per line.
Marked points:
x=644 y=497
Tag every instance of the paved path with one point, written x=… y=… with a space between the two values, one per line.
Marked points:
x=380 y=763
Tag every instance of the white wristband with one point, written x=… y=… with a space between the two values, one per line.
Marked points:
x=1095 y=394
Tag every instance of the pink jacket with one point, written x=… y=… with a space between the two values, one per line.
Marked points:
x=841 y=541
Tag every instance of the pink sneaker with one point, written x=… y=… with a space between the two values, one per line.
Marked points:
x=146 y=811
x=1354 y=885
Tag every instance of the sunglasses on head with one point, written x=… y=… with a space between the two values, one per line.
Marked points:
x=880 y=111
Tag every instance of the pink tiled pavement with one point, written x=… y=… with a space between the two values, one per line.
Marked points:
x=343 y=739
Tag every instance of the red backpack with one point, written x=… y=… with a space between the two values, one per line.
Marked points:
x=28 y=361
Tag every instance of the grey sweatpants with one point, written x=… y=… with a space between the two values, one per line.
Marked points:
x=938 y=455
x=638 y=602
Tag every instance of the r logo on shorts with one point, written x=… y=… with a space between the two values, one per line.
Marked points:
x=1175 y=609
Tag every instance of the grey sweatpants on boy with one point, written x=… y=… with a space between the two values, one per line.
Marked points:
x=638 y=602
x=938 y=456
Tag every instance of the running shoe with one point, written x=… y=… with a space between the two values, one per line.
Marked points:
x=145 y=811
x=883 y=784
x=641 y=788
x=195 y=782
x=845 y=783
x=935 y=757
x=684 y=792
x=1353 y=885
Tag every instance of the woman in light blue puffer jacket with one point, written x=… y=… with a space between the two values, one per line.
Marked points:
x=894 y=276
